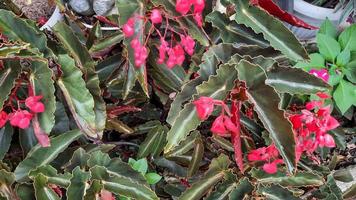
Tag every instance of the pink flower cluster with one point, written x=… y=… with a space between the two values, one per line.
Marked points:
x=311 y=127
x=321 y=73
x=174 y=50
x=184 y=6
x=223 y=124
x=269 y=155
x=22 y=118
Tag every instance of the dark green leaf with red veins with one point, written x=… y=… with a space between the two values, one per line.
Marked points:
x=42 y=84
x=78 y=184
x=273 y=30
x=8 y=75
x=210 y=61
x=266 y=104
x=197 y=157
x=187 y=22
x=39 y=156
x=154 y=142
x=216 y=172
x=275 y=192
x=300 y=179
x=236 y=135
x=5 y=139
x=83 y=60
x=42 y=189
x=17 y=29
x=121 y=185
x=217 y=87
x=231 y=32
x=95 y=34
x=108 y=68
x=128 y=9
x=77 y=96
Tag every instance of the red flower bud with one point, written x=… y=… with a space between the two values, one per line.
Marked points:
x=3 y=118
x=218 y=126
x=156 y=17
x=204 y=106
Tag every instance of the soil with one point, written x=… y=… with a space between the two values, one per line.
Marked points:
x=34 y=9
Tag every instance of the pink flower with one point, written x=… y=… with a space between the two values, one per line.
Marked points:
x=21 y=119
x=313 y=104
x=256 y=154
x=175 y=56
x=156 y=17
x=329 y=141
x=323 y=95
x=270 y=168
x=3 y=118
x=163 y=48
x=199 y=6
x=188 y=44
x=183 y=6
x=218 y=126
x=204 y=107
x=140 y=53
x=199 y=19
x=34 y=104
x=128 y=28
x=322 y=73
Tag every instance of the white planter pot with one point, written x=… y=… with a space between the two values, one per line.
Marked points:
x=313 y=15
x=55 y=17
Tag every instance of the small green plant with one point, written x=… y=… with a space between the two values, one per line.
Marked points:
x=336 y=59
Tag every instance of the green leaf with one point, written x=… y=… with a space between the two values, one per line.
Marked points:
x=347 y=38
x=224 y=188
x=121 y=185
x=42 y=190
x=6 y=181
x=106 y=42
x=276 y=192
x=345 y=95
x=213 y=176
x=42 y=84
x=317 y=61
x=343 y=58
x=188 y=22
x=52 y=176
x=17 y=29
x=344 y=175
x=294 y=81
x=98 y=158
x=211 y=58
x=197 y=157
x=243 y=188
x=185 y=146
x=78 y=184
x=5 y=139
x=8 y=75
x=127 y=9
x=231 y=32
x=152 y=178
x=79 y=158
x=27 y=139
x=25 y=191
x=350 y=71
x=328 y=47
x=77 y=96
x=83 y=60
x=94 y=190
x=216 y=87
x=266 y=104
x=140 y=165
x=272 y=29
x=154 y=142
x=335 y=76
x=300 y=179
x=41 y=156
x=328 y=28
